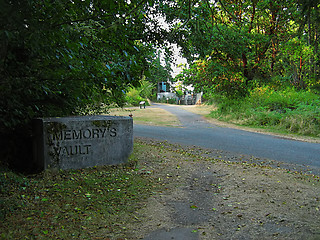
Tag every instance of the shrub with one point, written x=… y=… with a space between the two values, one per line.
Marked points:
x=280 y=100
x=170 y=100
x=133 y=97
x=286 y=110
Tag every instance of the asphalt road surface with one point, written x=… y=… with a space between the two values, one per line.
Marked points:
x=196 y=131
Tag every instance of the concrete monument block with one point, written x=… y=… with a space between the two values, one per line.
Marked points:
x=80 y=142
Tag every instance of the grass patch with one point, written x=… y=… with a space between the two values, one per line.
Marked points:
x=203 y=109
x=286 y=111
x=81 y=204
x=148 y=116
x=113 y=202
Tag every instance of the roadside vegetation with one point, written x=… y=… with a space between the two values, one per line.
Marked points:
x=257 y=61
x=149 y=116
x=131 y=200
x=71 y=204
x=286 y=111
x=89 y=56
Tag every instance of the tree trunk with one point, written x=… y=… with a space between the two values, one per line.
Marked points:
x=245 y=66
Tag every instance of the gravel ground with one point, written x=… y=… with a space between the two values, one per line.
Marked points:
x=215 y=195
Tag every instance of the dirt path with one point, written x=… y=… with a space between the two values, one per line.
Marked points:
x=205 y=198
x=206 y=194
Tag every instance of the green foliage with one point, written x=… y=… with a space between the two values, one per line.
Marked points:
x=295 y=55
x=232 y=46
x=158 y=73
x=285 y=110
x=60 y=58
x=137 y=94
x=146 y=88
x=179 y=93
x=169 y=101
x=70 y=204
x=133 y=97
x=282 y=100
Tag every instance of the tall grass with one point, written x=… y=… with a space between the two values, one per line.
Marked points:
x=284 y=110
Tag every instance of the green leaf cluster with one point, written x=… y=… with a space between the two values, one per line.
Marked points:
x=288 y=110
x=257 y=40
x=60 y=58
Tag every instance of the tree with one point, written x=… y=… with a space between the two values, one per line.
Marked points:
x=157 y=72
x=57 y=57
x=308 y=19
x=235 y=43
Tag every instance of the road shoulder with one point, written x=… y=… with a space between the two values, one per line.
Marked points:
x=205 y=110
x=207 y=198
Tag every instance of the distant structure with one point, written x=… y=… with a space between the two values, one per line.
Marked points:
x=163 y=92
x=189 y=98
x=162 y=87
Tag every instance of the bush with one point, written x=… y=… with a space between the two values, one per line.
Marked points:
x=170 y=100
x=285 y=110
x=279 y=100
x=133 y=97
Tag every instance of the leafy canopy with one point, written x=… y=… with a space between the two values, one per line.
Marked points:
x=233 y=45
x=59 y=57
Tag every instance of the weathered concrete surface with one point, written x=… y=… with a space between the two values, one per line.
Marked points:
x=80 y=142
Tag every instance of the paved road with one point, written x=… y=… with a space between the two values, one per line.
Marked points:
x=196 y=131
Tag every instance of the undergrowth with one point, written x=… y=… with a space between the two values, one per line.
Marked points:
x=287 y=110
x=79 y=204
